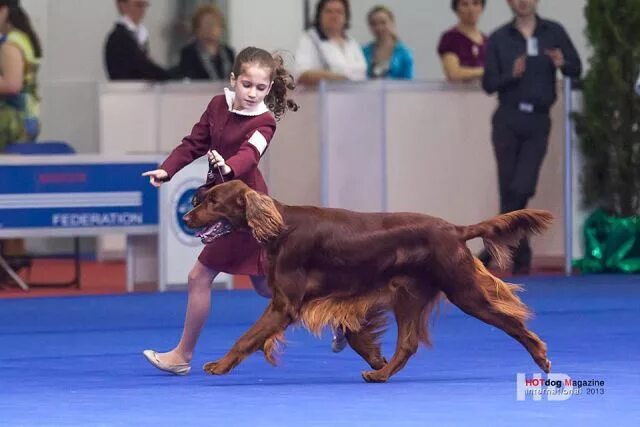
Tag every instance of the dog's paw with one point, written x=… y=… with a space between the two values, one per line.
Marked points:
x=378 y=363
x=210 y=368
x=546 y=366
x=543 y=363
x=215 y=368
x=374 y=377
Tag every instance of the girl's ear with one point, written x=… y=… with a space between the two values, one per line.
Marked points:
x=232 y=80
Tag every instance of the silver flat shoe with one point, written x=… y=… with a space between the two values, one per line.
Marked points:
x=178 y=369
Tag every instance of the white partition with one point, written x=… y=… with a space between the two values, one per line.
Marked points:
x=179 y=108
x=444 y=162
x=395 y=146
x=291 y=165
x=432 y=154
x=150 y=118
x=353 y=142
x=138 y=117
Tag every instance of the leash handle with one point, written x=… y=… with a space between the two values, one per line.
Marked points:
x=212 y=173
x=220 y=172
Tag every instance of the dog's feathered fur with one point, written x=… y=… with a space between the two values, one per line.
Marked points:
x=347 y=270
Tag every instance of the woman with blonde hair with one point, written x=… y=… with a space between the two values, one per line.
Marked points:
x=387 y=56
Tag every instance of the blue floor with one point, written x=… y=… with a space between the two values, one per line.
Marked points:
x=77 y=361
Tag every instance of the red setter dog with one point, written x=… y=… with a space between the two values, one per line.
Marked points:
x=347 y=270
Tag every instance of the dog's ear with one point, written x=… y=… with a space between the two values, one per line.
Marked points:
x=262 y=216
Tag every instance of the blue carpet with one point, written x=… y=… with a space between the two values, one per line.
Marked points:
x=77 y=361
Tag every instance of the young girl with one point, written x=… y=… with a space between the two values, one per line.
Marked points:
x=234 y=132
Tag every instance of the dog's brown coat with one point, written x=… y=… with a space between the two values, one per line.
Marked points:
x=347 y=270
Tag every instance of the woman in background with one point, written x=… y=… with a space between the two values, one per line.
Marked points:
x=206 y=57
x=20 y=54
x=326 y=51
x=462 y=48
x=387 y=56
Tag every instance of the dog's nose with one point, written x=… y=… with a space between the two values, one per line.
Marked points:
x=187 y=217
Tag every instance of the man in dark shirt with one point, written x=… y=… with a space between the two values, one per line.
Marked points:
x=521 y=65
x=126 y=50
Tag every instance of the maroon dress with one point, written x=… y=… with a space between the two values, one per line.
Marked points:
x=470 y=53
x=241 y=138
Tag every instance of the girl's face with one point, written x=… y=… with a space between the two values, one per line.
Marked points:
x=469 y=11
x=251 y=86
x=333 y=18
x=209 y=28
x=381 y=25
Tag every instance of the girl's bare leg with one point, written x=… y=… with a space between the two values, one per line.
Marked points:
x=198 y=308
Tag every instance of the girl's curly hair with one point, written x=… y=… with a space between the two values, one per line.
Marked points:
x=277 y=100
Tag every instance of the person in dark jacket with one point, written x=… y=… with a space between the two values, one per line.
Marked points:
x=127 y=48
x=207 y=57
x=521 y=65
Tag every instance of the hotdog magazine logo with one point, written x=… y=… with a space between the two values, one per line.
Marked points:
x=556 y=387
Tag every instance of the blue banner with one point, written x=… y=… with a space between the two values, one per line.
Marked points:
x=77 y=195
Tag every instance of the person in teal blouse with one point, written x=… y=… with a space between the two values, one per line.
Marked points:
x=387 y=56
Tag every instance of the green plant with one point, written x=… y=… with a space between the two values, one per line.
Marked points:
x=609 y=126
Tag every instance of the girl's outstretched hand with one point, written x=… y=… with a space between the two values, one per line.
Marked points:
x=157 y=177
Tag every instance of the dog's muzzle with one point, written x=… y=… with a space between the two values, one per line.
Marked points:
x=215 y=231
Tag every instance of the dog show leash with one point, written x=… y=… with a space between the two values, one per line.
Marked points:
x=211 y=173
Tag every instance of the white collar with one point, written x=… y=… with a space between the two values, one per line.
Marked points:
x=139 y=30
x=230 y=96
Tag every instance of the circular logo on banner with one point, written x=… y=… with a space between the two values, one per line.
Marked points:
x=180 y=205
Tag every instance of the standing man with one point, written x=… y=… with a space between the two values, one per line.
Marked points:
x=521 y=65
x=127 y=48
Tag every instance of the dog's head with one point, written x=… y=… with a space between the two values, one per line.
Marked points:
x=234 y=206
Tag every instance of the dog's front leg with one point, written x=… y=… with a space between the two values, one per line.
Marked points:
x=272 y=321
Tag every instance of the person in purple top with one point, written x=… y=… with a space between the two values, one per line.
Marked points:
x=462 y=48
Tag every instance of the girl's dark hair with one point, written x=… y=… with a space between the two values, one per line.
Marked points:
x=454 y=4
x=277 y=100
x=320 y=7
x=20 y=20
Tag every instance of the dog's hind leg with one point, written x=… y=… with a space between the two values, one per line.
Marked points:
x=272 y=323
x=489 y=299
x=408 y=309
x=366 y=341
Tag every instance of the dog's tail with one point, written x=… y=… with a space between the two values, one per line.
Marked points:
x=506 y=230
